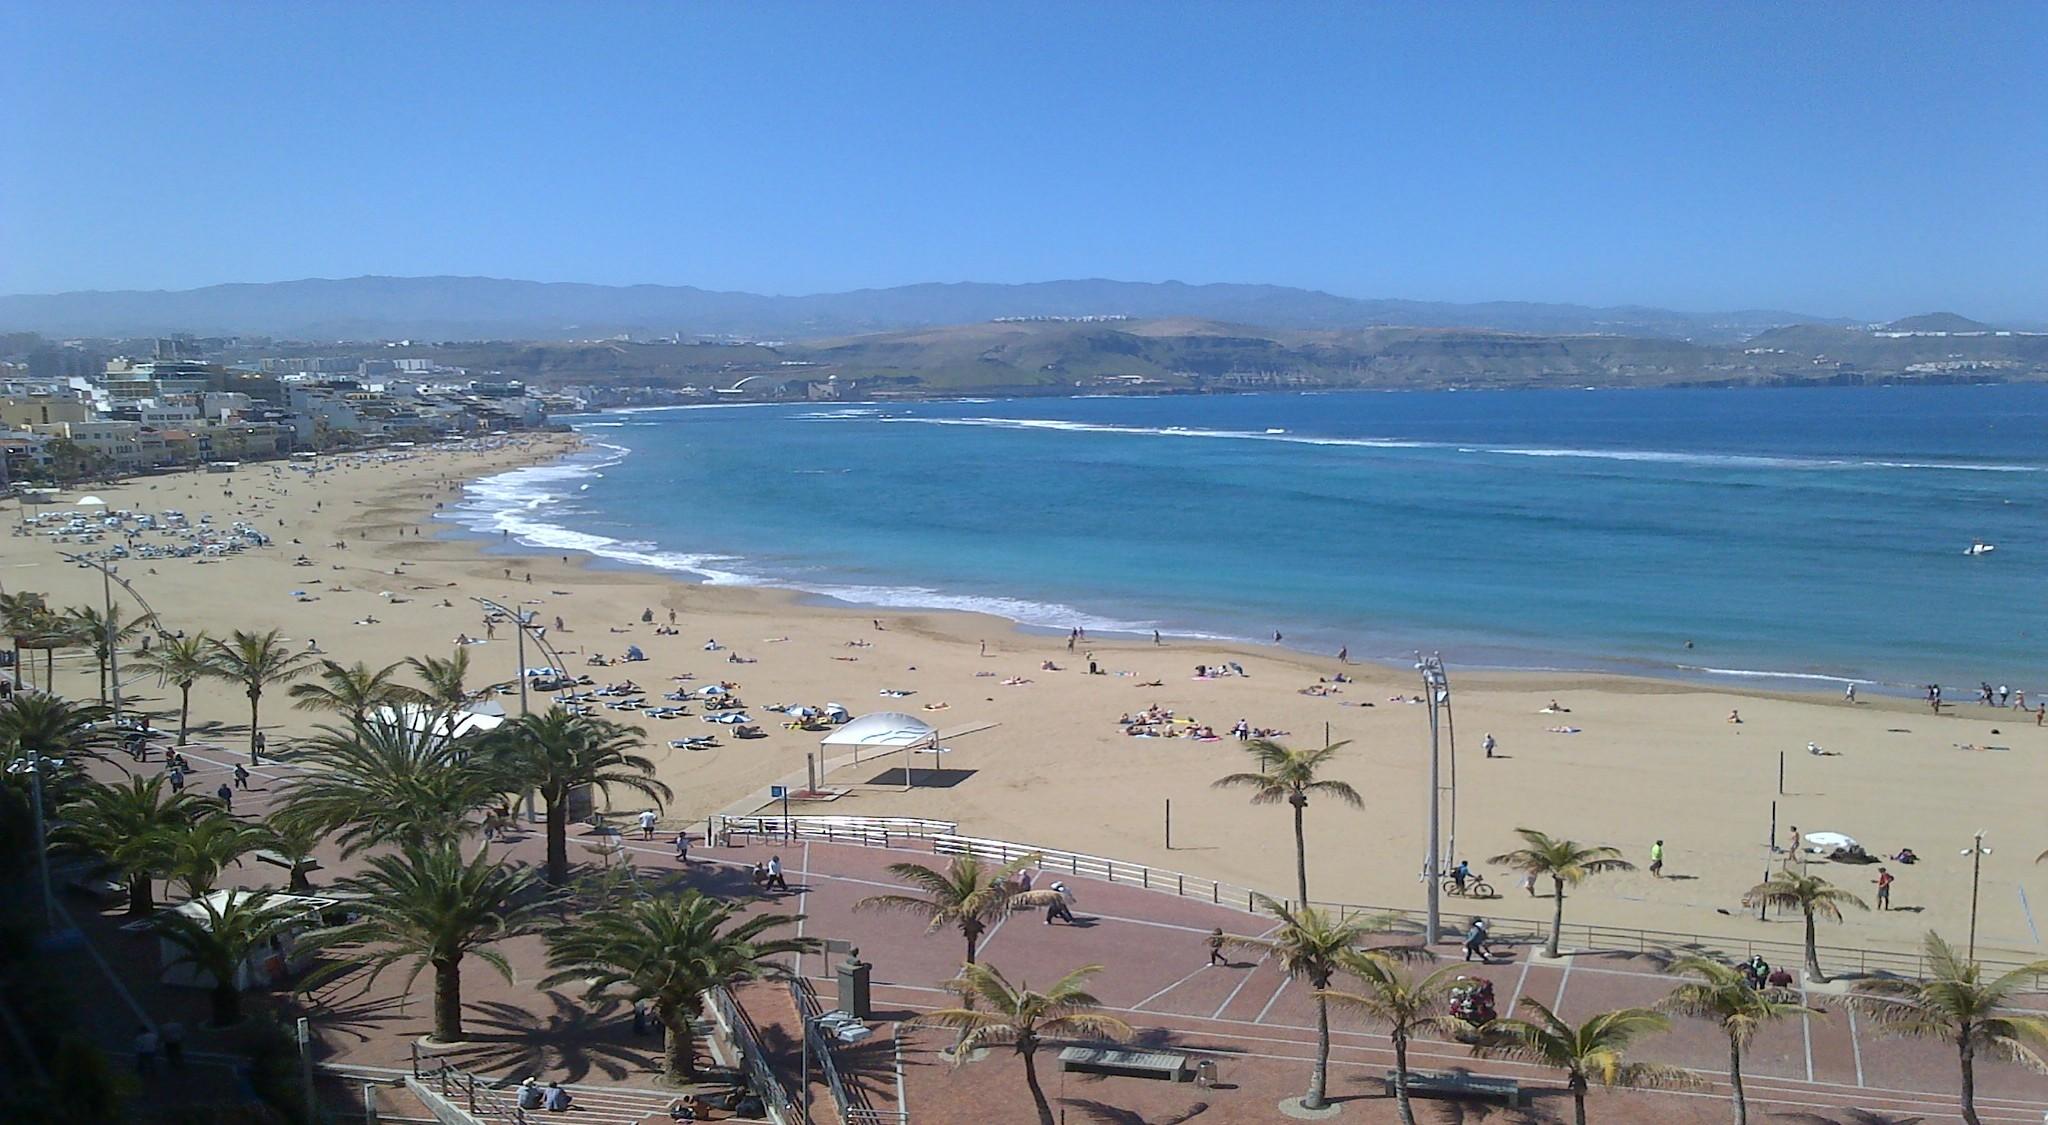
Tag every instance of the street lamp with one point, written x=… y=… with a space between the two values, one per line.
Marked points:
x=33 y=765
x=1437 y=691
x=1976 y=851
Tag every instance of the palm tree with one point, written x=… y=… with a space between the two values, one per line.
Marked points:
x=669 y=952
x=198 y=851
x=1024 y=1019
x=1594 y=1051
x=1956 y=1003
x=1814 y=897
x=1722 y=994
x=26 y=617
x=127 y=829
x=351 y=691
x=1401 y=1002
x=294 y=840
x=966 y=895
x=430 y=906
x=181 y=662
x=443 y=678
x=1565 y=862
x=1290 y=776
x=1312 y=945
x=217 y=940
x=56 y=728
x=558 y=752
x=403 y=782
x=255 y=661
x=102 y=634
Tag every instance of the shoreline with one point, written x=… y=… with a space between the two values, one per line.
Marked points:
x=1646 y=759
x=691 y=568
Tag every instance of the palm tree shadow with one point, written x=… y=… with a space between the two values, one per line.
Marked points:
x=1108 y=1114
x=1847 y=1117
x=567 y=1041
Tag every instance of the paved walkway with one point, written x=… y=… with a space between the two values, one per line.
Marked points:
x=1257 y=1024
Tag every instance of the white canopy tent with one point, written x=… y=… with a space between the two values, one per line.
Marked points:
x=884 y=730
x=477 y=718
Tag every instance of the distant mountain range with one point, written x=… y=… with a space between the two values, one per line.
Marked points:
x=384 y=308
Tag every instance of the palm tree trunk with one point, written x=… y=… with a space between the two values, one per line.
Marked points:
x=1401 y=1078
x=448 y=1000
x=1813 y=972
x=1735 y=1080
x=141 y=896
x=227 y=1003
x=558 y=837
x=255 y=698
x=103 y=678
x=1300 y=853
x=1319 y=1078
x=184 y=710
x=678 y=1043
x=1037 y=1092
x=1969 y=1064
x=17 y=663
x=1579 y=1105
x=1556 y=915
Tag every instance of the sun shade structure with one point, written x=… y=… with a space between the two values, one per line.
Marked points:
x=474 y=719
x=883 y=730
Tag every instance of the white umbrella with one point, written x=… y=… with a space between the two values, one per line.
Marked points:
x=91 y=502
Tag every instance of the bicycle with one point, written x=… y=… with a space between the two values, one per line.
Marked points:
x=1475 y=887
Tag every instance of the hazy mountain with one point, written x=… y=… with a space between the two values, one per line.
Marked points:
x=486 y=308
x=1937 y=322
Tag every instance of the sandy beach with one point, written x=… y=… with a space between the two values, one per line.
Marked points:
x=1629 y=762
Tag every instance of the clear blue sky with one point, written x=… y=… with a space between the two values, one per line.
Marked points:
x=1853 y=159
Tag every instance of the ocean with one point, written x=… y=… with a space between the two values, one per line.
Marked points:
x=1797 y=538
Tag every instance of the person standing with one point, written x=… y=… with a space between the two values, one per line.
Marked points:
x=1488 y=743
x=1657 y=859
x=260 y=743
x=647 y=824
x=1884 y=883
x=1216 y=947
x=775 y=879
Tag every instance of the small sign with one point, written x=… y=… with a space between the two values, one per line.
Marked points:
x=778 y=792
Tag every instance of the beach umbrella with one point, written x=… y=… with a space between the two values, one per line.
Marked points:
x=91 y=502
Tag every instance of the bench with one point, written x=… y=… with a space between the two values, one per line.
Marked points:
x=1459 y=1084
x=279 y=859
x=1126 y=1064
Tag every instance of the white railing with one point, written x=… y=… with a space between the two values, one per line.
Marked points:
x=753 y=1058
x=871 y=831
x=1107 y=870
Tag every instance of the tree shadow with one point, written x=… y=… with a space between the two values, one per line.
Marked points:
x=567 y=1040
x=1847 y=1117
x=1108 y=1114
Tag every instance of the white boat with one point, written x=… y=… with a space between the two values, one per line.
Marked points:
x=1979 y=547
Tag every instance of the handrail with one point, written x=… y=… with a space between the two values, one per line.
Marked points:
x=852 y=1099
x=872 y=831
x=739 y=1027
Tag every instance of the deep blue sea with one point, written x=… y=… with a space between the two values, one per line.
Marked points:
x=1785 y=533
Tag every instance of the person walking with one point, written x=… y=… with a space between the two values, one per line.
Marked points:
x=1657 y=859
x=177 y=780
x=1475 y=941
x=226 y=793
x=647 y=824
x=1216 y=947
x=775 y=879
x=1884 y=883
x=1488 y=744
x=1529 y=883
x=682 y=847
x=241 y=776
x=261 y=744
x=145 y=1049
x=1849 y=694
x=1059 y=909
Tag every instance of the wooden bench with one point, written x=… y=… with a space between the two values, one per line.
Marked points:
x=1127 y=1064
x=1459 y=1084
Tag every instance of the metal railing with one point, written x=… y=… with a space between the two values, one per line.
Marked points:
x=753 y=1058
x=870 y=831
x=854 y=1106
x=1835 y=959
x=482 y=1100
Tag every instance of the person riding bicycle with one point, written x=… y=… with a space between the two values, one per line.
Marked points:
x=1461 y=874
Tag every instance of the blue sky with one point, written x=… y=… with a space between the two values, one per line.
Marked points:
x=1852 y=159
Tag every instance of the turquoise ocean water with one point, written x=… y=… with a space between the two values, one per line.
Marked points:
x=1794 y=536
